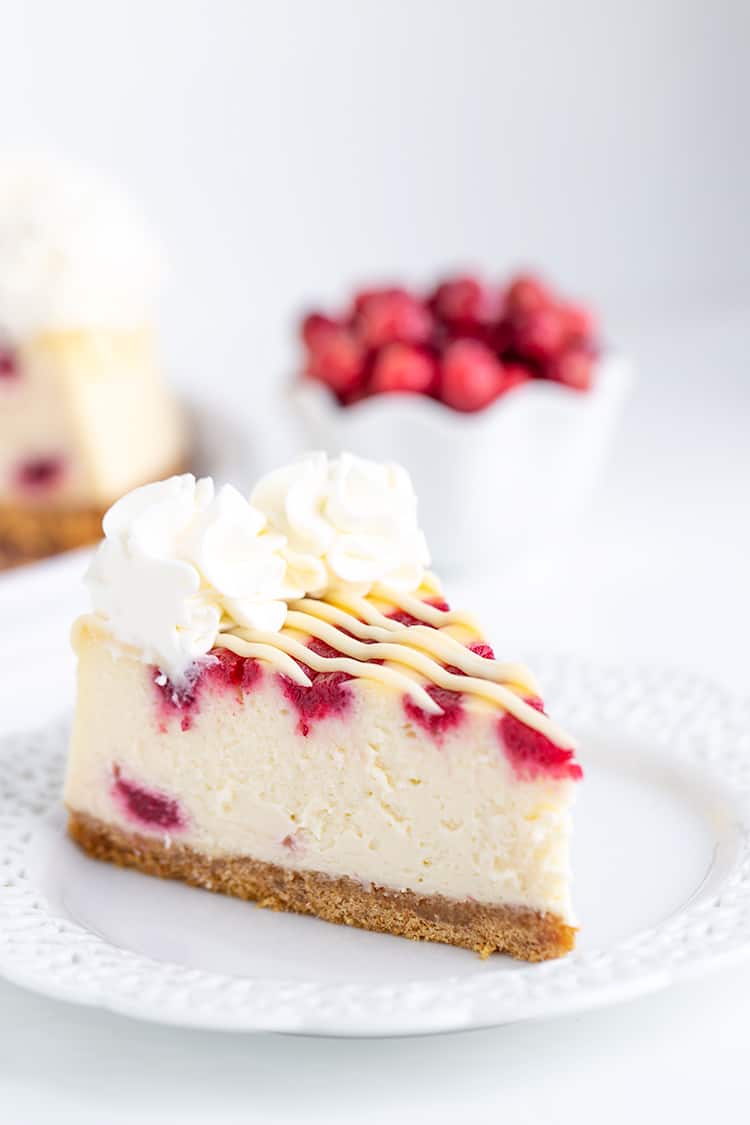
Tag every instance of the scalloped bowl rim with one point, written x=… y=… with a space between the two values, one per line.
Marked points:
x=614 y=378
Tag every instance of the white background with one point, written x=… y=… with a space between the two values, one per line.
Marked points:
x=285 y=150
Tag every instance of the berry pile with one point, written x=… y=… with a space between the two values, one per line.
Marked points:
x=464 y=344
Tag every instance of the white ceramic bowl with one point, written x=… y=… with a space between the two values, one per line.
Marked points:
x=493 y=485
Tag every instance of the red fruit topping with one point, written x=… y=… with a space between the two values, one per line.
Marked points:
x=437 y=725
x=403 y=367
x=471 y=375
x=147 y=806
x=481 y=648
x=541 y=335
x=532 y=754
x=459 y=301
x=392 y=315
x=40 y=473
x=9 y=368
x=337 y=360
x=526 y=294
x=316 y=329
x=574 y=368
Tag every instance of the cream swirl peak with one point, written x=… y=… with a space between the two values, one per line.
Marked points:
x=74 y=252
x=180 y=562
x=349 y=523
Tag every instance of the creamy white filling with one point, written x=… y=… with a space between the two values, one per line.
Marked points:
x=79 y=397
x=368 y=794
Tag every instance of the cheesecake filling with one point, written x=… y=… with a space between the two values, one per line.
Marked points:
x=358 y=794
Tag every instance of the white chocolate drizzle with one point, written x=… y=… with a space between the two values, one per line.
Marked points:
x=414 y=656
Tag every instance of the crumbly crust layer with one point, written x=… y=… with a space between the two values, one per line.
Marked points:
x=28 y=532
x=523 y=933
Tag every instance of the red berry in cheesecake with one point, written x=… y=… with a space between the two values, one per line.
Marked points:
x=574 y=368
x=526 y=294
x=9 y=368
x=392 y=315
x=40 y=473
x=403 y=367
x=338 y=360
x=470 y=375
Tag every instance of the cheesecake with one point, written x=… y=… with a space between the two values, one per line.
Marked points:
x=85 y=415
x=275 y=701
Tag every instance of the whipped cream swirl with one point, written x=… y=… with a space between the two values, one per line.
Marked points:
x=348 y=523
x=74 y=253
x=180 y=562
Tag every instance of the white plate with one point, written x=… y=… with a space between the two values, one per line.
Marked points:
x=662 y=863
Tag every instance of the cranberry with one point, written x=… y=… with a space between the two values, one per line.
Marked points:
x=526 y=294
x=403 y=367
x=147 y=806
x=574 y=368
x=40 y=473
x=513 y=375
x=9 y=368
x=580 y=322
x=338 y=361
x=226 y=671
x=471 y=375
x=327 y=695
x=541 y=335
x=316 y=329
x=392 y=315
x=459 y=301
x=437 y=725
x=532 y=754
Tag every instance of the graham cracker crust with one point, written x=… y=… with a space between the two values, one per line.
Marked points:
x=28 y=533
x=523 y=933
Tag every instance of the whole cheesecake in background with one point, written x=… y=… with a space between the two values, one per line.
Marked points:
x=276 y=702
x=84 y=414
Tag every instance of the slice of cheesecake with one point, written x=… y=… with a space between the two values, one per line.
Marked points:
x=85 y=414
x=350 y=750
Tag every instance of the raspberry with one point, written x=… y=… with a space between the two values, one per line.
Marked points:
x=471 y=375
x=402 y=367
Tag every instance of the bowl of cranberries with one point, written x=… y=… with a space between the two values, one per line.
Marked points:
x=499 y=399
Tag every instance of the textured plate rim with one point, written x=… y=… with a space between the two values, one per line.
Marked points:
x=689 y=722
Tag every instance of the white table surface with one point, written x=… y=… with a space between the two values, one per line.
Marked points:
x=658 y=574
